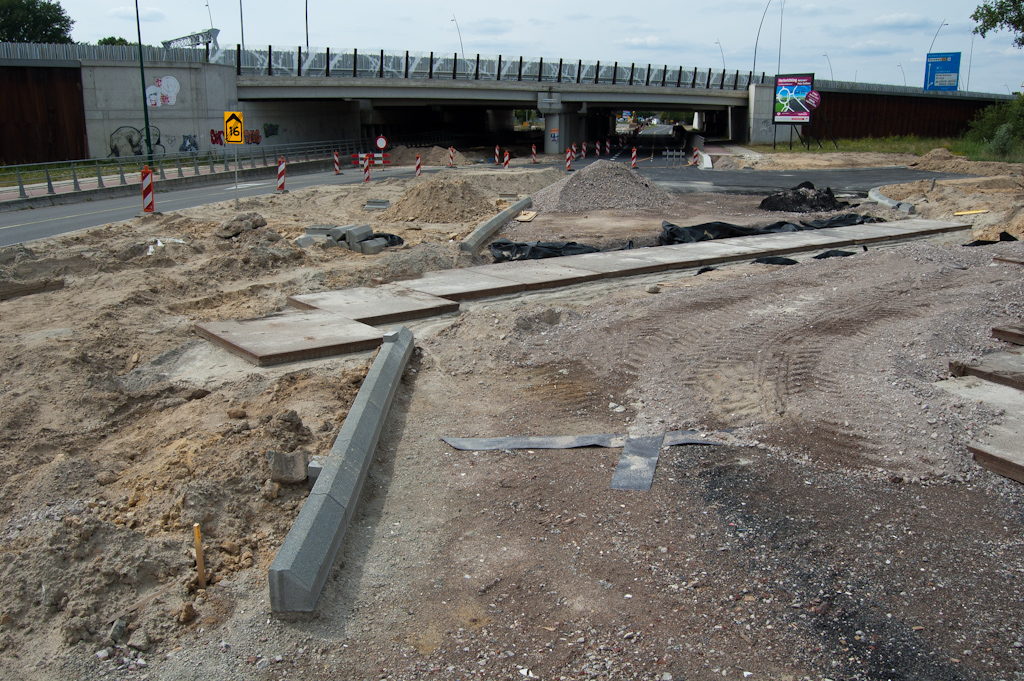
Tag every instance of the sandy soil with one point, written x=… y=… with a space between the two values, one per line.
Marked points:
x=841 y=529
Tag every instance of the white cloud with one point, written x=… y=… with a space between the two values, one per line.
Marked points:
x=649 y=42
x=150 y=14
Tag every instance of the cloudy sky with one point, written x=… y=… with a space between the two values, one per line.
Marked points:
x=867 y=41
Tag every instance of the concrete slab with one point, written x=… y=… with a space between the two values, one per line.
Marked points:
x=615 y=263
x=385 y=304
x=1011 y=333
x=787 y=242
x=638 y=462
x=1004 y=368
x=922 y=227
x=863 y=234
x=462 y=285
x=538 y=274
x=711 y=252
x=1002 y=452
x=291 y=337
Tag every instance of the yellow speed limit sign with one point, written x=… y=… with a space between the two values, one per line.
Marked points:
x=233 y=127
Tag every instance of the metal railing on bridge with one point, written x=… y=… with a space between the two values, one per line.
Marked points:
x=353 y=63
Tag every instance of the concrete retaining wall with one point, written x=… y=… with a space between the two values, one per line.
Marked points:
x=304 y=560
x=486 y=230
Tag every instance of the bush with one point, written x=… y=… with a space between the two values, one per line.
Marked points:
x=989 y=120
x=1002 y=141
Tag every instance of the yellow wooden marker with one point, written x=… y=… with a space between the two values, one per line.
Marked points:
x=970 y=212
x=200 y=568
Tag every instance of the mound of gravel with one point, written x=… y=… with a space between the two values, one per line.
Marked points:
x=439 y=201
x=603 y=184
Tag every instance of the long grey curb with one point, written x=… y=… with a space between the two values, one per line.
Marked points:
x=877 y=196
x=304 y=560
x=486 y=230
x=222 y=177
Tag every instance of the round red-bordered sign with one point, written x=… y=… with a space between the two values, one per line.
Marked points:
x=382 y=142
x=812 y=100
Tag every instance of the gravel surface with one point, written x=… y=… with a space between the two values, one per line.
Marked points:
x=602 y=184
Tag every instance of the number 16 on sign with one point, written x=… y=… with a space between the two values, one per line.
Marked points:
x=233 y=127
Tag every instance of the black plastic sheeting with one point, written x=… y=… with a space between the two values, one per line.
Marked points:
x=673 y=234
x=392 y=239
x=834 y=254
x=1003 y=236
x=803 y=198
x=774 y=260
x=504 y=250
x=672 y=437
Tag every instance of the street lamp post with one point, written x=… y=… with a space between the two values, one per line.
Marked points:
x=936 y=35
x=831 y=74
x=460 y=37
x=142 y=73
x=904 y=74
x=723 y=53
x=763 y=15
x=241 y=22
x=782 y=12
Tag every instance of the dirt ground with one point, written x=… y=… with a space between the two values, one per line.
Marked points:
x=839 y=531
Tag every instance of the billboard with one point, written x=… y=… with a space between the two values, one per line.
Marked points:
x=942 y=71
x=790 y=99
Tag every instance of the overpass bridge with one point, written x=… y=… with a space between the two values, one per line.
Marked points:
x=292 y=95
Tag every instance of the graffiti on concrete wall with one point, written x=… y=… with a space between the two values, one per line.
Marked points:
x=189 y=143
x=163 y=92
x=217 y=137
x=129 y=141
x=252 y=136
x=270 y=129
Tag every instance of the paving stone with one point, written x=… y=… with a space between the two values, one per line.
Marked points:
x=462 y=285
x=320 y=230
x=373 y=246
x=537 y=274
x=288 y=467
x=291 y=337
x=305 y=241
x=385 y=304
x=356 y=234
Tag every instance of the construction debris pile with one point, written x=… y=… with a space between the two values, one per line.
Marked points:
x=441 y=200
x=601 y=185
x=803 y=198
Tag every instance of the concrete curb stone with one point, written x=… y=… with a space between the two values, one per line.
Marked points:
x=486 y=230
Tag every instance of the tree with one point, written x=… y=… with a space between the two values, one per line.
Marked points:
x=112 y=41
x=993 y=15
x=34 y=21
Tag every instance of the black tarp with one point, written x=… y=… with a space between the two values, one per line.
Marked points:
x=1003 y=236
x=673 y=234
x=803 y=198
x=504 y=250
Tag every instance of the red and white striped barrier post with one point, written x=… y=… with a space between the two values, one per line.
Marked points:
x=147 y=190
x=573 y=151
x=337 y=164
x=632 y=161
x=451 y=157
x=505 y=164
x=584 y=150
x=533 y=152
x=608 y=147
x=280 y=174
x=366 y=167
x=696 y=156
x=597 y=148
x=417 y=165
x=568 y=159
x=497 y=151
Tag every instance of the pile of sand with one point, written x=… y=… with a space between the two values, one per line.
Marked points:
x=429 y=156
x=442 y=200
x=943 y=160
x=603 y=184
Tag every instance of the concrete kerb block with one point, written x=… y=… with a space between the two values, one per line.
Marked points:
x=356 y=234
x=338 y=233
x=321 y=230
x=373 y=246
x=302 y=564
x=486 y=230
x=877 y=196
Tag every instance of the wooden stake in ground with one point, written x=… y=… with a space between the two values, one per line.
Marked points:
x=200 y=568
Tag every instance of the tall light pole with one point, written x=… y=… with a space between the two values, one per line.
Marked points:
x=460 y=36
x=763 y=15
x=831 y=74
x=936 y=35
x=723 y=53
x=904 y=74
x=782 y=11
x=970 y=60
x=241 y=22
x=307 y=27
x=142 y=72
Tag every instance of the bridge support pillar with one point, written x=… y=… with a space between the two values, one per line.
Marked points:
x=557 y=121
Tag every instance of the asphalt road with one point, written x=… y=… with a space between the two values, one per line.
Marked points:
x=39 y=223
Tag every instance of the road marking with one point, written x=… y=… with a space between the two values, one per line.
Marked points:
x=244 y=185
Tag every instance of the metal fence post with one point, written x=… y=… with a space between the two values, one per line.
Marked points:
x=178 y=160
x=597 y=71
x=120 y=170
x=252 y=158
x=99 y=176
x=74 y=178
x=355 y=72
x=160 y=164
x=195 y=163
x=213 y=168
x=21 y=186
x=49 y=185
x=263 y=149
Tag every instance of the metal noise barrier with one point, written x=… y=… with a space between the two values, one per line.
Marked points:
x=299 y=570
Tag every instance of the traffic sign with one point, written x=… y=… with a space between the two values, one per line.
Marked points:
x=233 y=127
x=382 y=142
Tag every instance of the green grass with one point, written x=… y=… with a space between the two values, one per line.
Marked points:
x=908 y=144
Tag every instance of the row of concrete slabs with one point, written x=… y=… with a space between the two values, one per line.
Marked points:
x=343 y=321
